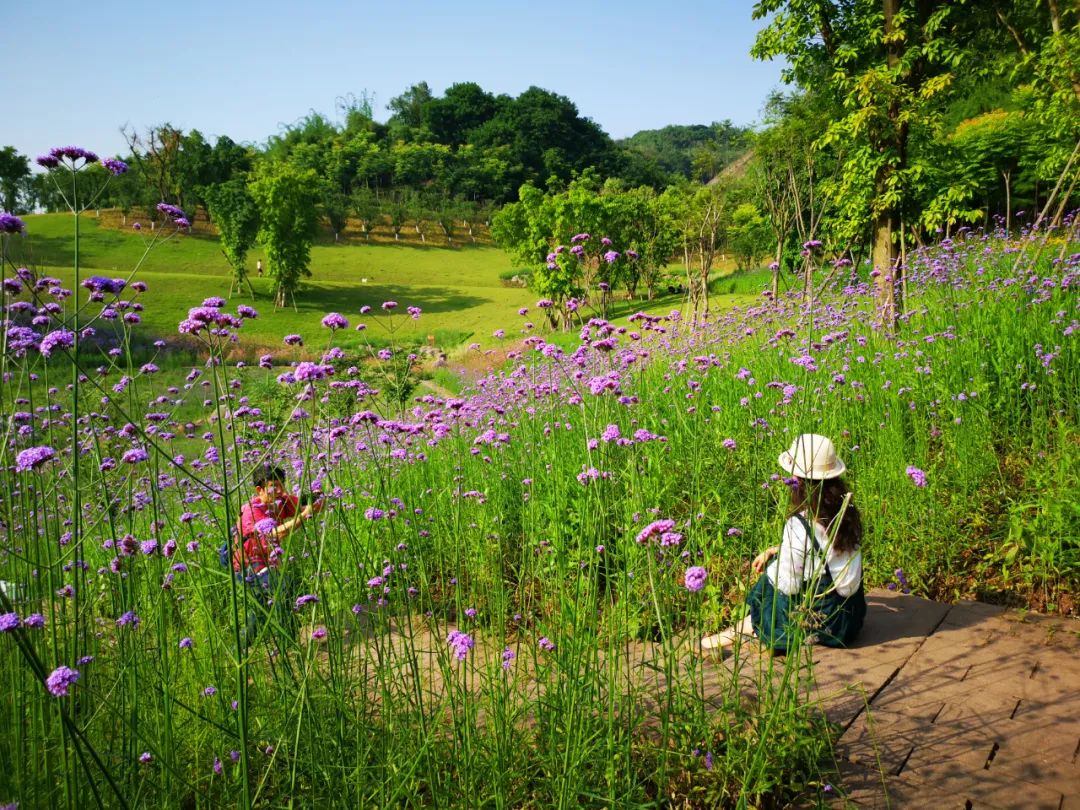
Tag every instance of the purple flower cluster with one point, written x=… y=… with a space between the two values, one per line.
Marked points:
x=102 y=285
x=266 y=525
x=58 y=339
x=695 y=577
x=208 y=317
x=33 y=457
x=9 y=223
x=175 y=212
x=656 y=528
x=60 y=680
x=71 y=153
x=901 y=582
x=335 y=320
x=460 y=644
x=134 y=455
x=917 y=476
x=116 y=167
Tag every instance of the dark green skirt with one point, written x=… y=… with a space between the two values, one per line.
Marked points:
x=780 y=620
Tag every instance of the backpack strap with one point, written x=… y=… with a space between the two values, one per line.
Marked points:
x=825 y=581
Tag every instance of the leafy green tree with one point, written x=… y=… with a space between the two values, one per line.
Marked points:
x=233 y=211
x=546 y=135
x=788 y=169
x=704 y=234
x=156 y=155
x=416 y=164
x=365 y=206
x=313 y=130
x=397 y=211
x=748 y=235
x=448 y=213
x=336 y=205
x=463 y=107
x=673 y=148
x=993 y=149
x=287 y=199
x=227 y=160
x=407 y=111
x=194 y=171
x=13 y=169
x=418 y=210
x=891 y=63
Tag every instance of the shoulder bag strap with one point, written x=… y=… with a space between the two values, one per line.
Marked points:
x=825 y=581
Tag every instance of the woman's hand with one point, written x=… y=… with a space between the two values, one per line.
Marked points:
x=762 y=559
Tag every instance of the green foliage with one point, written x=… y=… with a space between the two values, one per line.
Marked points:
x=233 y=211
x=365 y=205
x=694 y=152
x=336 y=206
x=287 y=199
x=14 y=168
x=748 y=235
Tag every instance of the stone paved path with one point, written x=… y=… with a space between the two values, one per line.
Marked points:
x=961 y=706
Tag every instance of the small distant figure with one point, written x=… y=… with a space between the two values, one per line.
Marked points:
x=363 y=280
x=258 y=268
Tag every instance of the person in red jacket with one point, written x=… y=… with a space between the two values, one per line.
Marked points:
x=265 y=520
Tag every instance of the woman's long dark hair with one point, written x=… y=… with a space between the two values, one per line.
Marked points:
x=823 y=501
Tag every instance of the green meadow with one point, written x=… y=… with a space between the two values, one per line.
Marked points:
x=461 y=289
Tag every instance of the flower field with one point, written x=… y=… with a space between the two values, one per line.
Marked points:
x=465 y=620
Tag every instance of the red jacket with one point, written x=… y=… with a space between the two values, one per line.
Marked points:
x=255 y=550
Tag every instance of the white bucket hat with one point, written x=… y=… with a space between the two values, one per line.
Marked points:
x=812 y=456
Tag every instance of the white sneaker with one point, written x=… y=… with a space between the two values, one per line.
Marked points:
x=719 y=641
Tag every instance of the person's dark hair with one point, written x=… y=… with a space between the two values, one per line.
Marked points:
x=823 y=501
x=265 y=473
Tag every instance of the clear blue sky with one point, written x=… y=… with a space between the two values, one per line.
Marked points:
x=80 y=71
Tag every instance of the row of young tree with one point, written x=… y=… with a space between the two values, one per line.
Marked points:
x=466 y=144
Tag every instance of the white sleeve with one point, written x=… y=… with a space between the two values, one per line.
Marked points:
x=786 y=571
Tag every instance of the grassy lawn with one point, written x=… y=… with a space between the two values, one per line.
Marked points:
x=459 y=289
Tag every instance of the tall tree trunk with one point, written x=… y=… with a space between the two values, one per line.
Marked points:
x=1055 y=24
x=883 y=251
x=883 y=258
x=776 y=269
x=1008 y=202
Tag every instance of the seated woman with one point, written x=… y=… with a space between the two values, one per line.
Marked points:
x=814 y=577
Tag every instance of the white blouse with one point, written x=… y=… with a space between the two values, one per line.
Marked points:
x=789 y=569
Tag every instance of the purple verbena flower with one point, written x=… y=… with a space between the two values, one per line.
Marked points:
x=116 y=167
x=460 y=644
x=9 y=223
x=917 y=476
x=694 y=578
x=33 y=457
x=60 y=680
